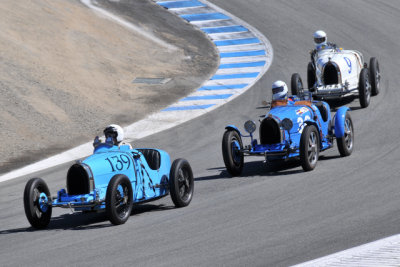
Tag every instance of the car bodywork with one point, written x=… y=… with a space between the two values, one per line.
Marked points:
x=337 y=72
x=87 y=180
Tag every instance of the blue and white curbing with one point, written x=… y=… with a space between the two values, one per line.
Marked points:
x=380 y=253
x=245 y=55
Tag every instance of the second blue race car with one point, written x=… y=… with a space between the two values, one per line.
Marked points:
x=293 y=128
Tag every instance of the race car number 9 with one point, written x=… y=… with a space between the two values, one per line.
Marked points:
x=119 y=162
x=301 y=123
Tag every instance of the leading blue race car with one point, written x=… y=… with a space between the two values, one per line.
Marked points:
x=112 y=179
x=293 y=128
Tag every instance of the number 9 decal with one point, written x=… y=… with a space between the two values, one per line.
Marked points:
x=348 y=62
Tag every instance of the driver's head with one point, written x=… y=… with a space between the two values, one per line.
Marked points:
x=279 y=90
x=115 y=132
x=320 y=38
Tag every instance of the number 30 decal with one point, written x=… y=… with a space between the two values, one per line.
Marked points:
x=301 y=124
x=119 y=162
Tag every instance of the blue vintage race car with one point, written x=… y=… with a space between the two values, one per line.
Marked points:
x=112 y=179
x=297 y=127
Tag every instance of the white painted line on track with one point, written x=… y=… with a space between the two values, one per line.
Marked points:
x=242 y=59
x=382 y=253
x=238 y=70
x=235 y=48
x=226 y=84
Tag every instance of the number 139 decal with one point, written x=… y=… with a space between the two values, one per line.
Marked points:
x=119 y=162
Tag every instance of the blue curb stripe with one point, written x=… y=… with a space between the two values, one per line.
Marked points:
x=237 y=42
x=243 y=54
x=222 y=87
x=188 y=107
x=207 y=97
x=207 y=16
x=180 y=4
x=242 y=65
x=225 y=29
x=235 y=76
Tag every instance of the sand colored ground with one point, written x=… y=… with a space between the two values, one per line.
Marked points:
x=66 y=72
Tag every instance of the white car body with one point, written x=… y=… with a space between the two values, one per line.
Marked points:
x=337 y=72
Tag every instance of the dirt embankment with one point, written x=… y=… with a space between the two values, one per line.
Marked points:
x=66 y=72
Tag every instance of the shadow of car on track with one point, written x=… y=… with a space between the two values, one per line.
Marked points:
x=258 y=168
x=86 y=220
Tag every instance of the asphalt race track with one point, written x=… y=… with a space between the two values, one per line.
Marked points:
x=270 y=216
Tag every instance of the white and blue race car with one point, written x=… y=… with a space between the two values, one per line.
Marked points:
x=334 y=73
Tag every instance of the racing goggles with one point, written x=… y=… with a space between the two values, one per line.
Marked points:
x=319 y=40
x=277 y=90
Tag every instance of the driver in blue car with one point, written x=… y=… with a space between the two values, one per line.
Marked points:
x=113 y=134
x=280 y=92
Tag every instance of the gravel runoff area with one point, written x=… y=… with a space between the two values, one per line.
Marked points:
x=66 y=72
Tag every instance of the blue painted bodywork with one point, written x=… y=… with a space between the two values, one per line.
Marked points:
x=106 y=162
x=339 y=121
x=301 y=113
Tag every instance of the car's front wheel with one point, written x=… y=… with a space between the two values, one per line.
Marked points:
x=346 y=142
x=181 y=182
x=231 y=152
x=296 y=85
x=119 y=199
x=375 y=75
x=311 y=79
x=309 y=148
x=36 y=203
x=364 y=88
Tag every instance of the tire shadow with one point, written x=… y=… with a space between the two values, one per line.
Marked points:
x=86 y=220
x=257 y=168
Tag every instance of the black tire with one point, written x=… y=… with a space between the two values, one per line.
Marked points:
x=309 y=148
x=296 y=85
x=375 y=76
x=119 y=199
x=364 y=88
x=181 y=183
x=233 y=159
x=346 y=143
x=310 y=76
x=36 y=216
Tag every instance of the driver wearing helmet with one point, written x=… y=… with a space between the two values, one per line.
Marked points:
x=114 y=134
x=279 y=91
x=321 y=41
x=280 y=94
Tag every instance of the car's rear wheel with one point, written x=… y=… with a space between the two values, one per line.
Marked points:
x=309 y=148
x=296 y=85
x=346 y=142
x=36 y=203
x=375 y=76
x=364 y=88
x=231 y=152
x=181 y=183
x=310 y=76
x=119 y=199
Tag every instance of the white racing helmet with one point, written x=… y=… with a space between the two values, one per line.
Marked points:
x=320 y=38
x=115 y=132
x=279 y=90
